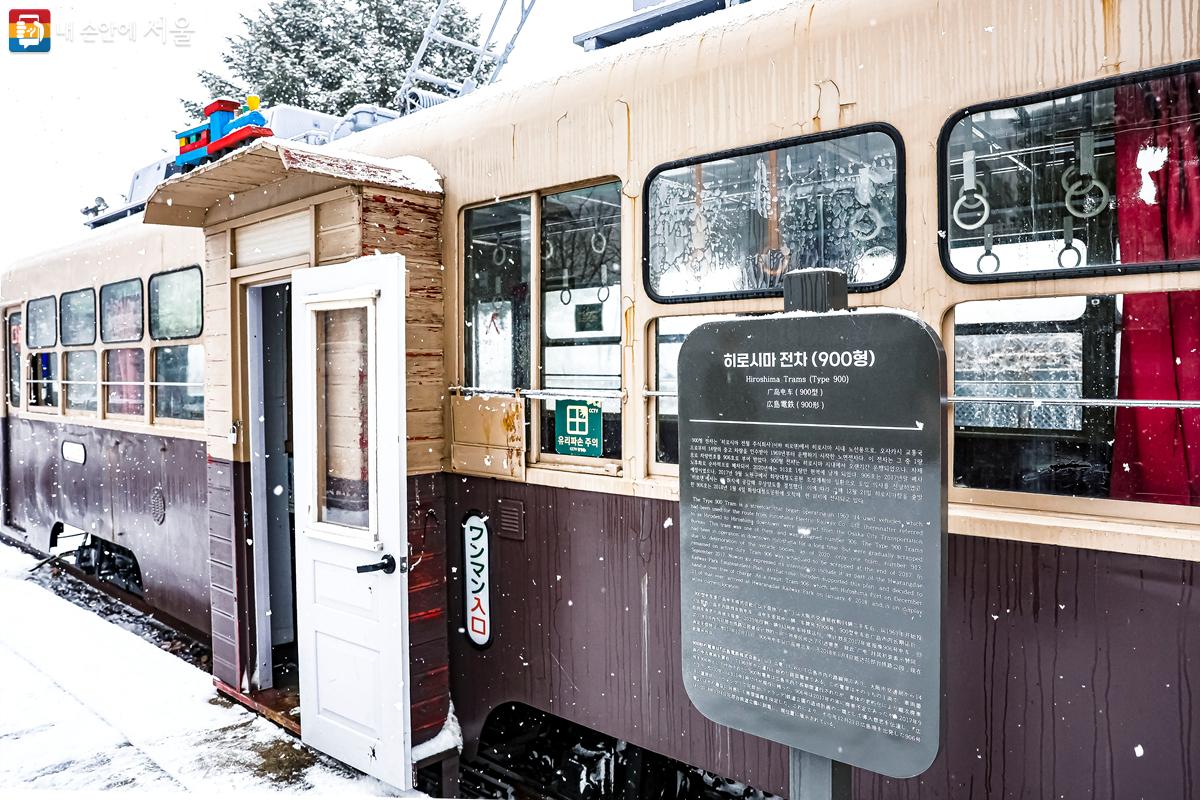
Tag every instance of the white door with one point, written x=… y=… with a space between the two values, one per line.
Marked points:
x=351 y=556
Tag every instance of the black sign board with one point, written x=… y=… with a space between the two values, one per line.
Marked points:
x=813 y=496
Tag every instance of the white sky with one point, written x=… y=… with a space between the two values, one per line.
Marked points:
x=82 y=117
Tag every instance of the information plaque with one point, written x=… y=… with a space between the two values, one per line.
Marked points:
x=812 y=493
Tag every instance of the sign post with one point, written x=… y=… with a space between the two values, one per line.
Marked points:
x=813 y=518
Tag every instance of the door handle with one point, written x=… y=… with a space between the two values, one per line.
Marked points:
x=386 y=565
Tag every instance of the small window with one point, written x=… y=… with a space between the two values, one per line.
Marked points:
x=79 y=378
x=344 y=385
x=176 y=304
x=1081 y=181
x=79 y=317
x=43 y=380
x=125 y=381
x=42 y=327
x=669 y=333
x=179 y=382
x=581 y=308
x=121 y=311
x=14 y=359
x=732 y=224
x=1088 y=396
x=497 y=335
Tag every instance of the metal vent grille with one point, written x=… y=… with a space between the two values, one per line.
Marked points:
x=512 y=520
x=158 y=506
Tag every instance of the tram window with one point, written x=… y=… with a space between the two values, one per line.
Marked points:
x=343 y=417
x=121 y=311
x=497 y=295
x=1133 y=363
x=43 y=379
x=179 y=382
x=79 y=378
x=581 y=304
x=176 y=304
x=78 y=317
x=14 y=359
x=731 y=225
x=41 y=329
x=1077 y=182
x=124 y=381
x=669 y=333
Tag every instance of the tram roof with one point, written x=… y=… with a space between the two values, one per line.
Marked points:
x=186 y=199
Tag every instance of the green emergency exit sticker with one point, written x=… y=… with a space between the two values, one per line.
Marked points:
x=578 y=428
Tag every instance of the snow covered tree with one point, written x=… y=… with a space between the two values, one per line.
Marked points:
x=328 y=55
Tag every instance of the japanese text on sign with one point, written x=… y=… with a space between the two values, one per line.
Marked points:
x=478 y=612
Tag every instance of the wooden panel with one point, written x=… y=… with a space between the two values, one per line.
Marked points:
x=473 y=459
x=398 y=222
x=493 y=421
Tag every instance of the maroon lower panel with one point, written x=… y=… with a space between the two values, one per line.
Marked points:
x=115 y=494
x=1062 y=665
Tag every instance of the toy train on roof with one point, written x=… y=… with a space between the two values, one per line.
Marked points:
x=228 y=125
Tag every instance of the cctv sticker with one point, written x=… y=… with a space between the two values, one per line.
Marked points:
x=29 y=30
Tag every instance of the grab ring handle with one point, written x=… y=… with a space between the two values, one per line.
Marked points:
x=1079 y=191
x=1070 y=248
x=969 y=201
x=871 y=214
x=499 y=254
x=599 y=242
x=564 y=297
x=987 y=254
x=603 y=293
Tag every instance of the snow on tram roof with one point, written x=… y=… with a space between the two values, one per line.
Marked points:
x=401 y=172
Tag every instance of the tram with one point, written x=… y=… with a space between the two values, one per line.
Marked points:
x=438 y=428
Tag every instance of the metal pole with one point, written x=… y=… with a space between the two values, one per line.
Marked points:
x=813 y=777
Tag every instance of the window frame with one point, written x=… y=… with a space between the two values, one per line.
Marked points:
x=8 y=360
x=25 y=322
x=838 y=133
x=534 y=458
x=104 y=382
x=142 y=308
x=66 y=381
x=943 y=206
x=62 y=317
x=151 y=382
x=56 y=382
x=147 y=299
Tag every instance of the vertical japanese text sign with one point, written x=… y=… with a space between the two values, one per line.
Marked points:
x=813 y=518
x=478 y=609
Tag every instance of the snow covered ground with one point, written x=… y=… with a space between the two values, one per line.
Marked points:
x=88 y=706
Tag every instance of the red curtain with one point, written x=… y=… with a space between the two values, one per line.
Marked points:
x=1156 y=451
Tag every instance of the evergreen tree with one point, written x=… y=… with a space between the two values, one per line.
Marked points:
x=328 y=55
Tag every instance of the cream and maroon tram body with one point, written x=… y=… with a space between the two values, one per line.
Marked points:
x=465 y=387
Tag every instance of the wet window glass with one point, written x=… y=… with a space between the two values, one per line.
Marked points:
x=1083 y=182
x=79 y=317
x=1089 y=396
x=14 y=359
x=669 y=333
x=734 y=225
x=343 y=417
x=497 y=335
x=125 y=381
x=79 y=379
x=121 y=311
x=176 y=304
x=43 y=379
x=41 y=328
x=179 y=382
x=581 y=309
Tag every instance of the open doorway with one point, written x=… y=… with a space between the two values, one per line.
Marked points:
x=275 y=681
